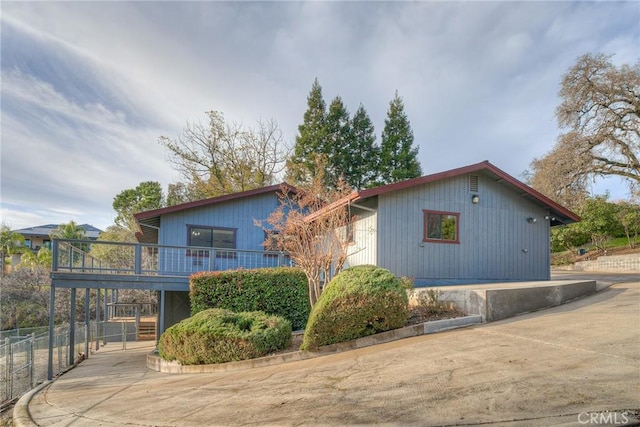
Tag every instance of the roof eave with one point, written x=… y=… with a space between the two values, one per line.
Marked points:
x=554 y=208
x=151 y=219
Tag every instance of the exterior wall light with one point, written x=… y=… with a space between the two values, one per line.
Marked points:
x=531 y=220
x=475 y=199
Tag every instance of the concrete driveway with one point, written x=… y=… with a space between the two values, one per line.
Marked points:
x=566 y=365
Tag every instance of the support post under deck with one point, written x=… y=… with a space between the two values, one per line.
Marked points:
x=162 y=311
x=87 y=323
x=72 y=326
x=52 y=305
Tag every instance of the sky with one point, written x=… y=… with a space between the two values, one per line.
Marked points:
x=87 y=88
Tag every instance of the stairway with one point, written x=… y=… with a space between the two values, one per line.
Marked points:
x=146 y=330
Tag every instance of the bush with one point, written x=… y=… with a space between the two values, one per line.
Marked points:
x=360 y=301
x=280 y=291
x=218 y=336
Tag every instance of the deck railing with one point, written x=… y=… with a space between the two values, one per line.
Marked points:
x=98 y=257
x=131 y=310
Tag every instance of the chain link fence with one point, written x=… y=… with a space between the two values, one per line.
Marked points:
x=24 y=358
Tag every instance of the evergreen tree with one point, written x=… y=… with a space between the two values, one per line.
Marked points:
x=398 y=159
x=339 y=143
x=363 y=168
x=310 y=141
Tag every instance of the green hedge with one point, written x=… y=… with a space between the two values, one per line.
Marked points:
x=218 y=336
x=281 y=291
x=360 y=301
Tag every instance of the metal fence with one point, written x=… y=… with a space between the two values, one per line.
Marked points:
x=24 y=358
x=22 y=332
x=131 y=310
x=98 y=257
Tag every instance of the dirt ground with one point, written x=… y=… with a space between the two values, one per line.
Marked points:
x=6 y=417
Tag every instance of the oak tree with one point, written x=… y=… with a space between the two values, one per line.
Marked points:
x=222 y=157
x=600 y=119
x=147 y=195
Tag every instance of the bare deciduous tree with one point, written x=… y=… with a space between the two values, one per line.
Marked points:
x=311 y=225
x=224 y=158
x=600 y=110
x=555 y=176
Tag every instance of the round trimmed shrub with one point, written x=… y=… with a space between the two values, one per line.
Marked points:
x=360 y=301
x=217 y=335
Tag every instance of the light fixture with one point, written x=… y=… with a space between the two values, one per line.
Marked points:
x=547 y=217
x=475 y=199
x=531 y=220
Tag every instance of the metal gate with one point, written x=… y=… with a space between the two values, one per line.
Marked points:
x=17 y=372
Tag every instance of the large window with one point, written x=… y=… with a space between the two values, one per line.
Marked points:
x=211 y=237
x=441 y=227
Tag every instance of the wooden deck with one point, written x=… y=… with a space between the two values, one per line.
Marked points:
x=147 y=326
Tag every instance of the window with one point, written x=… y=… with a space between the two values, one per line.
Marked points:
x=441 y=227
x=27 y=243
x=46 y=244
x=211 y=237
x=270 y=243
x=349 y=232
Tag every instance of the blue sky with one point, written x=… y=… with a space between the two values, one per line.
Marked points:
x=87 y=88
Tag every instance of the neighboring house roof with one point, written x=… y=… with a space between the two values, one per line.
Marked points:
x=559 y=214
x=43 y=230
x=149 y=221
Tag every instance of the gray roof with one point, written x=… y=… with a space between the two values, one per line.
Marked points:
x=43 y=230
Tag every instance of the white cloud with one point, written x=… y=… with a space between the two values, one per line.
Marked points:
x=83 y=106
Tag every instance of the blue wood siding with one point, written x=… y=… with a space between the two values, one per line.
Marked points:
x=496 y=241
x=236 y=214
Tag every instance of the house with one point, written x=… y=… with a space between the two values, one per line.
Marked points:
x=473 y=224
x=226 y=223
x=222 y=233
x=38 y=237
x=467 y=225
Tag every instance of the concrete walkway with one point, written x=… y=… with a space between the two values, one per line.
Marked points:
x=565 y=365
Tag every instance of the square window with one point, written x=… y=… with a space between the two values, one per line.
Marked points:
x=441 y=227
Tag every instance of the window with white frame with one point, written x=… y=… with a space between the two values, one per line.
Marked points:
x=211 y=237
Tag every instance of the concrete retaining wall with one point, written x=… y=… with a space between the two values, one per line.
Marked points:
x=503 y=303
x=499 y=303
x=618 y=263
